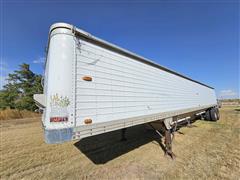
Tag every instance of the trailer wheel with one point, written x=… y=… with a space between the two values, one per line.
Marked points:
x=207 y=115
x=213 y=114
x=218 y=114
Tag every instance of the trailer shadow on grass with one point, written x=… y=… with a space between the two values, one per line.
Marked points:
x=102 y=148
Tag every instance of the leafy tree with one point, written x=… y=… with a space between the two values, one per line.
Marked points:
x=18 y=92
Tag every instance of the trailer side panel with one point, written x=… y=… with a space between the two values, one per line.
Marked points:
x=123 y=87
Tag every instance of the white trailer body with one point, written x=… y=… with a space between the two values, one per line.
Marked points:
x=92 y=87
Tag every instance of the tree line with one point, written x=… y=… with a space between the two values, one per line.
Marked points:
x=18 y=92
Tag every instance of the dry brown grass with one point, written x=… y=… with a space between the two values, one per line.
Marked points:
x=16 y=114
x=209 y=150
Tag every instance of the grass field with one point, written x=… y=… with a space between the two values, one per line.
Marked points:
x=7 y=114
x=208 y=150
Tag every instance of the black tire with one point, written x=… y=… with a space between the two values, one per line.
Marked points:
x=218 y=114
x=207 y=115
x=213 y=114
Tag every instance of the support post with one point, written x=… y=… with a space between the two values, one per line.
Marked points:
x=168 y=139
x=168 y=144
x=166 y=127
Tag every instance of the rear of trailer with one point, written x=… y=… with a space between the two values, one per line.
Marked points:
x=92 y=87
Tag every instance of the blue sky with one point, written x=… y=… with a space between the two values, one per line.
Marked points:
x=199 y=39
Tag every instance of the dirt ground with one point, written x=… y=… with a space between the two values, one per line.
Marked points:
x=208 y=150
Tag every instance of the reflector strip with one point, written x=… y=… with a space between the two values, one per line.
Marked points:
x=58 y=119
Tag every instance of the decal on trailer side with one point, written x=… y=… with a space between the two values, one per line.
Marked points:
x=59 y=108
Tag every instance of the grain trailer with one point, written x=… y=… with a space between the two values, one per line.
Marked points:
x=92 y=87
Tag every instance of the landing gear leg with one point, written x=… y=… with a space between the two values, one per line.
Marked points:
x=168 y=144
x=168 y=137
x=124 y=134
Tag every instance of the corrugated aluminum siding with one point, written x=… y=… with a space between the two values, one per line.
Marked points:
x=123 y=87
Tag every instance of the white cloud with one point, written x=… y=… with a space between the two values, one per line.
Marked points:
x=39 y=60
x=228 y=94
x=4 y=71
x=3 y=81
